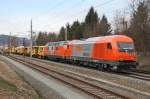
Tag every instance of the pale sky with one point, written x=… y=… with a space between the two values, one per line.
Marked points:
x=50 y=15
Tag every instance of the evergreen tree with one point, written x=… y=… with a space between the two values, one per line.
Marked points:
x=92 y=26
x=41 y=39
x=76 y=29
x=69 y=33
x=91 y=21
x=105 y=28
x=61 y=36
x=52 y=37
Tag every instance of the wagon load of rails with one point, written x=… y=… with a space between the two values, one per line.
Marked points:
x=115 y=52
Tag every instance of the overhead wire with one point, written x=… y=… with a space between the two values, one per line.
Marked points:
x=75 y=5
x=56 y=5
x=50 y=9
x=73 y=15
x=82 y=11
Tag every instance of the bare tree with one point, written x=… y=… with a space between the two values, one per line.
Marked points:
x=140 y=26
x=120 y=22
x=13 y=42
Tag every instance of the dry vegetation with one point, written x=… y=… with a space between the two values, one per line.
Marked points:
x=12 y=86
x=144 y=62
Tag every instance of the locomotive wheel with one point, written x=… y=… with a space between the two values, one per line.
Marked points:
x=100 y=67
x=103 y=67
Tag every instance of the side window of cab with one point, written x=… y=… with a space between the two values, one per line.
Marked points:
x=109 y=46
x=67 y=46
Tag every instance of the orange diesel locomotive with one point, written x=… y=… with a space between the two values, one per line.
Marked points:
x=114 y=52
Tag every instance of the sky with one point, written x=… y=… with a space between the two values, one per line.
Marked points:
x=50 y=15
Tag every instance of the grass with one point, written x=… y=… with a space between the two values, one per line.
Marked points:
x=140 y=57
x=6 y=85
x=144 y=63
x=40 y=97
x=145 y=68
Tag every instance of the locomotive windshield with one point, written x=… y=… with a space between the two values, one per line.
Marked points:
x=125 y=46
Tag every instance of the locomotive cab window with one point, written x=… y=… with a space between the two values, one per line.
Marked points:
x=125 y=46
x=109 y=46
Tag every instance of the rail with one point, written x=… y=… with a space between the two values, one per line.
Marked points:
x=96 y=91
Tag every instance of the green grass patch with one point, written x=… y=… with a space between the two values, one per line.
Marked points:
x=6 y=85
x=140 y=57
x=40 y=97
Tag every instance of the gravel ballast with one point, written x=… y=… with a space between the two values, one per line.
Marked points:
x=128 y=83
x=48 y=87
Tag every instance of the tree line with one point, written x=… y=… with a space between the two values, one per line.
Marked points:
x=137 y=27
x=92 y=26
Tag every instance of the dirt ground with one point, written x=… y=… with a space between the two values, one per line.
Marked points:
x=13 y=86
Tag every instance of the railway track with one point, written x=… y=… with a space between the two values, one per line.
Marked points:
x=94 y=90
x=141 y=71
x=138 y=74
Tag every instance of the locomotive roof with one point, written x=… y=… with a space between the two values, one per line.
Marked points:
x=93 y=39
x=56 y=43
x=100 y=38
x=89 y=40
